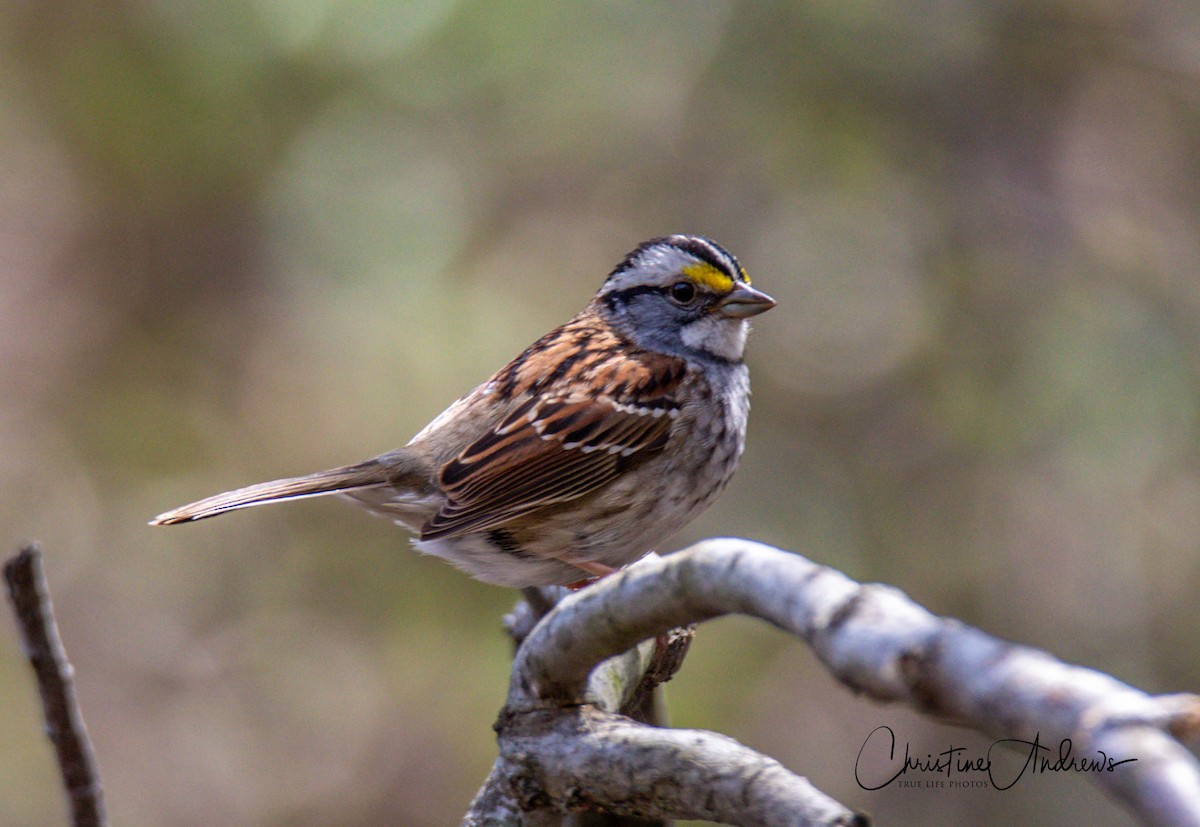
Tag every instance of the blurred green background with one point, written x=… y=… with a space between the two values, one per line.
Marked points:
x=255 y=238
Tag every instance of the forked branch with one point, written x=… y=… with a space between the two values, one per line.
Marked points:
x=558 y=755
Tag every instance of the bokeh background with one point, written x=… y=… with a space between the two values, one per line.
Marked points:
x=254 y=238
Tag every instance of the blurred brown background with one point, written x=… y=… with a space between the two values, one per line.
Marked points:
x=253 y=238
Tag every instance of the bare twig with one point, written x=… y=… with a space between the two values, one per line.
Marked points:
x=64 y=722
x=873 y=638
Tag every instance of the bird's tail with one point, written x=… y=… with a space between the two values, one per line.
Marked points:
x=363 y=475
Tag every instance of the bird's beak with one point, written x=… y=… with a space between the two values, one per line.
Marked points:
x=745 y=302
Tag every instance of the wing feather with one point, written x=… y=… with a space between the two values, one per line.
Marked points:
x=553 y=449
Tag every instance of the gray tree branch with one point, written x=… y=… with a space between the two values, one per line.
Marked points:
x=556 y=753
x=585 y=759
x=629 y=683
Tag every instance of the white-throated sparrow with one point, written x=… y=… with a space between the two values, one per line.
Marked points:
x=604 y=437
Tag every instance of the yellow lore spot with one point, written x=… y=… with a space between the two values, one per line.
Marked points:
x=708 y=276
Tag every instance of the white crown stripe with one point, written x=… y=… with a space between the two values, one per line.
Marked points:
x=661 y=261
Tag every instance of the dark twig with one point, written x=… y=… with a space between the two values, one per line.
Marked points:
x=64 y=722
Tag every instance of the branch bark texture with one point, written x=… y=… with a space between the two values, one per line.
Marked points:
x=557 y=752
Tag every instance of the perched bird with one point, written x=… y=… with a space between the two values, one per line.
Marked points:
x=603 y=438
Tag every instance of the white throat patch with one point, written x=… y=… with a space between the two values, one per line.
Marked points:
x=722 y=337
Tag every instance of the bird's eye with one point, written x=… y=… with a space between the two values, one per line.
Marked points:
x=683 y=292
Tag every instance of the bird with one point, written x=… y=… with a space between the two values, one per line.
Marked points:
x=602 y=439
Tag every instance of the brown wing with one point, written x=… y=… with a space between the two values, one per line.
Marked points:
x=550 y=450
